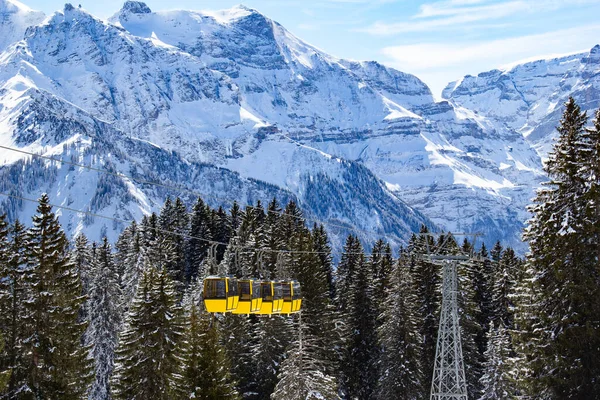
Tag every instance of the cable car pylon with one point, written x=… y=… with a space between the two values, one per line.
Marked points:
x=448 y=381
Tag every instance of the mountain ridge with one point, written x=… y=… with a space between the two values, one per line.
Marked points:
x=236 y=90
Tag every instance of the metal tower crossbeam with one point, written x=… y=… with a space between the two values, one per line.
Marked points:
x=449 y=373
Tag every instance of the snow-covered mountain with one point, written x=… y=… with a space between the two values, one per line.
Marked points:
x=15 y=18
x=528 y=98
x=231 y=105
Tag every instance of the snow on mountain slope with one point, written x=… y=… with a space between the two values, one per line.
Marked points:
x=15 y=18
x=236 y=90
x=528 y=98
x=428 y=153
x=92 y=93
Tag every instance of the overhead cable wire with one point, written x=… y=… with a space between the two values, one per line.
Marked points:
x=190 y=191
x=183 y=235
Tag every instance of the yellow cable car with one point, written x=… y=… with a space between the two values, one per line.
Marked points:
x=250 y=297
x=272 y=299
x=220 y=294
x=292 y=298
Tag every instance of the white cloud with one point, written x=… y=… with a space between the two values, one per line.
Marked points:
x=454 y=60
x=447 y=14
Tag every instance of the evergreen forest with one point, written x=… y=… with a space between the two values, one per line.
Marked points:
x=125 y=320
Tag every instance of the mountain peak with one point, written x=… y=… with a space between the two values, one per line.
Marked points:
x=136 y=7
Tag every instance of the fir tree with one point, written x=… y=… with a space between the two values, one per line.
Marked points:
x=16 y=293
x=303 y=373
x=174 y=222
x=503 y=290
x=82 y=257
x=205 y=367
x=497 y=382
x=427 y=281
x=57 y=362
x=146 y=363
x=564 y=269
x=104 y=319
x=129 y=262
x=238 y=340
x=199 y=228
x=401 y=372
x=359 y=364
x=5 y=374
x=323 y=250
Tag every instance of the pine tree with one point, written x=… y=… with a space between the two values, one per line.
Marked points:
x=318 y=310
x=471 y=298
x=57 y=362
x=7 y=278
x=497 y=382
x=357 y=293
x=323 y=250
x=427 y=280
x=564 y=269
x=5 y=374
x=272 y=336
x=381 y=261
x=503 y=291
x=104 y=319
x=238 y=340
x=14 y=310
x=129 y=262
x=146 y=363
x=401 y=371
x=82 y=257
x=303 y=373
x=199 y=229
x=205 y=370
x=173 y=221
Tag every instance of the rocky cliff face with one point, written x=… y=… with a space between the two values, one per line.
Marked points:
x=357 y=144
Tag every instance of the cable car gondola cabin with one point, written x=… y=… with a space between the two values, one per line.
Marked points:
x=272 y=299
x=251 y=299
x=220 y=294
x=292 y=297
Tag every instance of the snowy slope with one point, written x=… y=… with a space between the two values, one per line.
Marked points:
x=15 y=18
x=234 y=91
x=529 y=98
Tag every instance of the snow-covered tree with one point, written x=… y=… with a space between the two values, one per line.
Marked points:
x=14 y=295
x=497 y=381
x=205 y=369
x=400 y=366
x=57 y=363
x=146 y=363
x=303 y=373
x=129 y=262
x=356 y=293
x=200 y=226
x=427 y=279
x=564 y=270
x=104 y=316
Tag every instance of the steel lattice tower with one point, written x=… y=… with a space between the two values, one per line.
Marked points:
x=449 y=373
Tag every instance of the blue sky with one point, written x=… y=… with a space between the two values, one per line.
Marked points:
x=439 y=41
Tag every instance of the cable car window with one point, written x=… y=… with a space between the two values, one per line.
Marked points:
x=266 y=292
x=244 y=289
x=233 y=287
x=214 y=289
x=277 y=291
x=286 y=291
x=256 y=290
x=297 y=291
